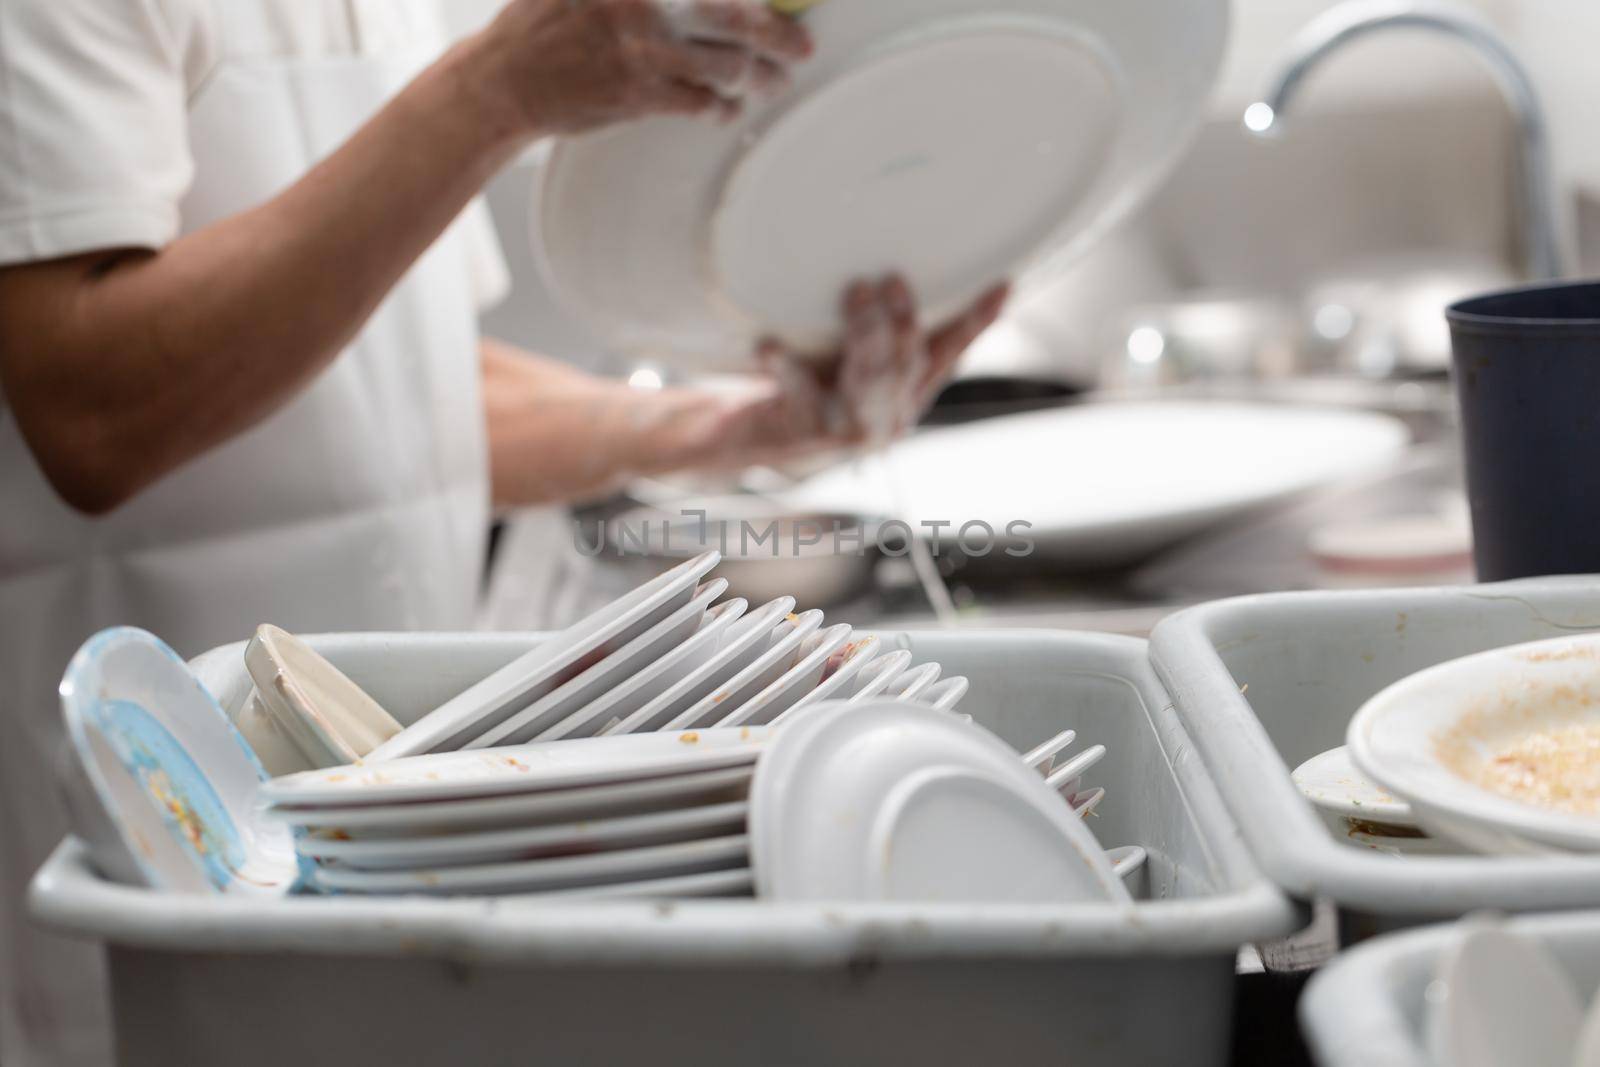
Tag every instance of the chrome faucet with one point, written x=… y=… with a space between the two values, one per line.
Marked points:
x=1539 y=221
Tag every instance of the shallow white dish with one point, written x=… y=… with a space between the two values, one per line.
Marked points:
x=1423 y=736
x=740 y=646
x=528 y=678
x=781 y=655
x=633 y=695
x=524 y=810
x=601 y=868
x=1500 y=1000
x=329 y=718
x=886 y=802
x=163 y=788
x=500 y=846
x=549 y=712
x=796 y=682
x=1335 y=786
x=956 y=140
x=1107 y=483
x=450 y=776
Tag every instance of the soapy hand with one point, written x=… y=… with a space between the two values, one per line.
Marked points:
x=566 y=66
x=875 y=388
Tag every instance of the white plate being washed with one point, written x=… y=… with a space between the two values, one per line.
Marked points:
x=957 y=141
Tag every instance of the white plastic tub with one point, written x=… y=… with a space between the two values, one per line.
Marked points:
x=1367 y=1009
x=1264 y=683
x=222 y=980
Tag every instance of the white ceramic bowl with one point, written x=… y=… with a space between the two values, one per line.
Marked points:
x=1424 y=736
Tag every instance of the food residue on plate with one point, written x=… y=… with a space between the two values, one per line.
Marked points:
x=1558 y=769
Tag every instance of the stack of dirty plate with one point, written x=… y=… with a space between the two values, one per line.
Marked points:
x=653 y=815
x=667 y=746
x=878 y=801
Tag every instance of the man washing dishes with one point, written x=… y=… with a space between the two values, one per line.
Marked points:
x=240 y=371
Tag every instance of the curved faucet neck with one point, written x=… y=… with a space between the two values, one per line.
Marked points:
x=1539 y=217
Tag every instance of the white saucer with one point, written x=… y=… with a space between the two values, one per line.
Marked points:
x=912 y=684
x=1332 y=783
x=956 y=140
x=886 y=802
x=877 y=676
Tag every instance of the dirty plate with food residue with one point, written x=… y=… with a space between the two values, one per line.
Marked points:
x=1498 y=751
x=449 y=776
x=164 y=788
x=1341 y=792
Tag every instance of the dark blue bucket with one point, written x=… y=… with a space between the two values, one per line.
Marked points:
x=1527 y=367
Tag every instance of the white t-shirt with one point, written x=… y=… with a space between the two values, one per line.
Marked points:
x=94 y=94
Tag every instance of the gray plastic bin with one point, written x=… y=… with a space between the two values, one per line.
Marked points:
x=1266 y=682
x=414 y=980
x=1367 y=1009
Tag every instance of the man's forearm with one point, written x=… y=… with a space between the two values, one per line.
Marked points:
x=559 y=435
x=121 y=367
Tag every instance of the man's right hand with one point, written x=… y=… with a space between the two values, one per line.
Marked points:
x=567 y=66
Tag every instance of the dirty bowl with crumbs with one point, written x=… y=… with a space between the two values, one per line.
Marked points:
x=1499 y=751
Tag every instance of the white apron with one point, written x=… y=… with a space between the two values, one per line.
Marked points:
x=362 y=505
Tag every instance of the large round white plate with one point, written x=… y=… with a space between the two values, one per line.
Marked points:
x=503 y=846
x=887 y=802
x=551 y=665
x=448 y=776
x=654 y=680
x=523 y=810
x=746 y=640
x=1107 y=483
x=784 y=652
x=1424 y=736
x=605 y=676
x=1332 y=783
x=602 y=868
x=164 y=788
x=795 y=683
x=958 y=141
